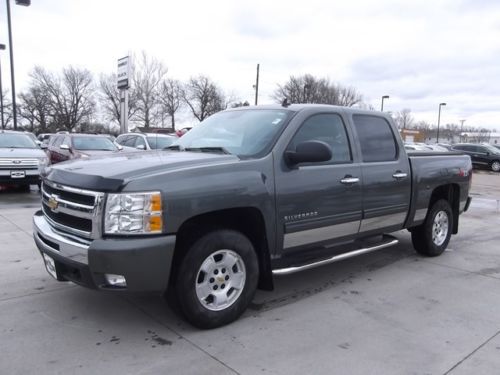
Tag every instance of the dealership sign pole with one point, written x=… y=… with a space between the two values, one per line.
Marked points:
x=123 y=80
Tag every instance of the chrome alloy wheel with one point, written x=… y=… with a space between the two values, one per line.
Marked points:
x=440 y=228
x=220 y=280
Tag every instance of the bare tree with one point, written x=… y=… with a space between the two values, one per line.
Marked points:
x=71 y=95
x=204 y=97
x=149 y=73
x=35 y=108
x=310 y=89
x=7 y=108
x=170 y=98
x=109 y=98
x=404 y=119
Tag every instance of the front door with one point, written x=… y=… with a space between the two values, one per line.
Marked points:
x=319 y=203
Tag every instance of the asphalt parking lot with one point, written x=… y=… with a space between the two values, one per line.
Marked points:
x=389 y=312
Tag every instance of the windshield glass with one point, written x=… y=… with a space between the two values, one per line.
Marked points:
x=93 y=143
x=160 y=142
x=242 y=132
x=12 y=140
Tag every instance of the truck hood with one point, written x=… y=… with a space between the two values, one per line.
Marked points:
x=110 y=172
x=22 y=153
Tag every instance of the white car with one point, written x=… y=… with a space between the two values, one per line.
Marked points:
x=21 y=160
x=146 y=141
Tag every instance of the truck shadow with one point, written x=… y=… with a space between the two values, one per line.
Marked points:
x=347 y=276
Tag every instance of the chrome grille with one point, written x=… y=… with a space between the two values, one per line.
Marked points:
x=72 y=210
x=18 y=163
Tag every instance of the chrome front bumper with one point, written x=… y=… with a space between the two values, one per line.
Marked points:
x=51 y=241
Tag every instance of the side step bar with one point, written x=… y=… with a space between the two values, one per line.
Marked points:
x=288 y=270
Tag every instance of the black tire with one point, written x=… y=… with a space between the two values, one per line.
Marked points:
x=221 y=246
x=422 y=237
x=495 y=165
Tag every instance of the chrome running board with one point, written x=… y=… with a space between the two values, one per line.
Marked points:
x=288 y=270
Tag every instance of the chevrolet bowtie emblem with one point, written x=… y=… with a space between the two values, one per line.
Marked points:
x=53 y=203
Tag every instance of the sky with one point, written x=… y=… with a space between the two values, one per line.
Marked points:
x=420 y=53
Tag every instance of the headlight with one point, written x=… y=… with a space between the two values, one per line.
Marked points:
x=133 y=213
x=42 y=163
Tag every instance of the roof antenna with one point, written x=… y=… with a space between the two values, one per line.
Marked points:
x=285 y=103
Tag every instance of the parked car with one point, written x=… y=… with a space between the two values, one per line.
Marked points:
x=146 y=141
x=64 y=147
x=183 y=131
x=21 y=160
x=246 y=195
x=482 y=156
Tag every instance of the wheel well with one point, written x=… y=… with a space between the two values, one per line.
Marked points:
x=451 y=193
x=247 y=220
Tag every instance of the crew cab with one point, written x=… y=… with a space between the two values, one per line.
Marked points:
x=247 y=195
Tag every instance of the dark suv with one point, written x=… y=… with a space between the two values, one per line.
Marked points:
x=481 y=155
x=64 y=147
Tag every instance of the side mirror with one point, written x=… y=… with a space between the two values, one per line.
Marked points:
x=141 y=147
x=119 y=147
x=309 y=152
x=44 y=146
x=64 y=147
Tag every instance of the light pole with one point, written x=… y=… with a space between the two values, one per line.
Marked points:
x=461 y=129
x=2 y=47
x=256 y=86
x=25 y=3
x=439 y=120
x=382 y=105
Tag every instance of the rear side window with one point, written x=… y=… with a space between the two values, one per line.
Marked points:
x=376 y=138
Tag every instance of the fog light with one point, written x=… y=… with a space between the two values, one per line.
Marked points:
x=115 y=280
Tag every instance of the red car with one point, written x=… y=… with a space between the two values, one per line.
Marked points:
x=64 y=147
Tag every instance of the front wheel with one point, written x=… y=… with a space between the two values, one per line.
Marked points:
x=217 y=278
x=432 y=237
x=495 y=166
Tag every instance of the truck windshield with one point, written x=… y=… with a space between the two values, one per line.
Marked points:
x=245 y=133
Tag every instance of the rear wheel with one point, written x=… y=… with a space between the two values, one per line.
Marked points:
x=217 y=279
x=432 y=237
x=495 y=166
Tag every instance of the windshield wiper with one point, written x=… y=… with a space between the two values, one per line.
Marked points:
x=209 y=149
x=173 y=147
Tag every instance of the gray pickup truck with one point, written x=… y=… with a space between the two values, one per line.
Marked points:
x=246 y=195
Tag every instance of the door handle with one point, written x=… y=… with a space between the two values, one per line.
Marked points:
x=399 y=175
x=349 y=180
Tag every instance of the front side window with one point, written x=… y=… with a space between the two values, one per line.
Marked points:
x=376 y=138
x=158 y=143
x=328 y=128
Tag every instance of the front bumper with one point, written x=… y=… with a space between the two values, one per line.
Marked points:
x=144 y=262
x=32 y=177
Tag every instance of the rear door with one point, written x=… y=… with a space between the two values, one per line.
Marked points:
x=385 y=174
x=319 y=203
